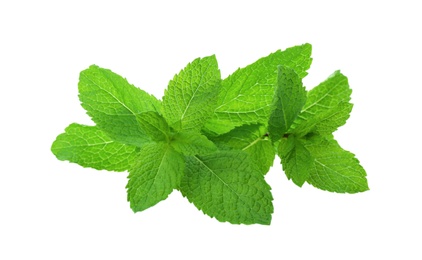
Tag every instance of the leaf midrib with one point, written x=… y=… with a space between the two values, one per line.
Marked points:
x=200 y=84
x=109 y=93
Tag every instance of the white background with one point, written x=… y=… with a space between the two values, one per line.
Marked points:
x=51 y=209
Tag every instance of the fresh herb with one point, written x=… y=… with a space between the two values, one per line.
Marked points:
x=214 y=140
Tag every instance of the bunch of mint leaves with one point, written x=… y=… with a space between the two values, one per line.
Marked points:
x=214 y=140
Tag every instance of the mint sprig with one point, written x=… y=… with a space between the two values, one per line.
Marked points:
x=214 y=140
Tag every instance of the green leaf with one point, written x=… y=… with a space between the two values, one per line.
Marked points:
x=158 y=170
x=327 y=107
x=289 y=98
x=154 y=125
x=114 y=104
x=296 y=159
x=247 y=94
x=190 y=144
x=228 y=186
x=333 y=119
x=333 y=168
x=253 y=140
x=192 y=95
x=88 y=146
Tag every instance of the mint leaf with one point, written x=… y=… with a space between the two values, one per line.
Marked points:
x=247 y=94
x=327 y=107
x=192 y=144
x=113 y=104
x=228 y=186
x=158 y=170
x=333 y=168
x=296 y=159
x=88 y=146
x=289 y=98
x=154 y=125
x=192 y=95
x=253 y=140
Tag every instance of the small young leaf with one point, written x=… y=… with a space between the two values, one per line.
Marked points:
x=247 y=94
x=88 y=146
x=296 y=159
x=253 y=140
x=158 y=170
x=189 y=143
x=154 y=125
x=333 y=168
x=113 y=104
x=327 y=107
x=191 y=96
x=228 y=186
x=289 y=98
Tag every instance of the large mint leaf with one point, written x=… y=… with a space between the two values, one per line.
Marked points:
x=253 y=140
x=289 y=98
x=296 y=159
x=154 y=125
x=327 y=107
x=88 y=146
x=113 y=104
x=247 y=94
x=228 y=186
x=189 y=143
x=158 y=170
x=191 y=96
x=333 y=168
